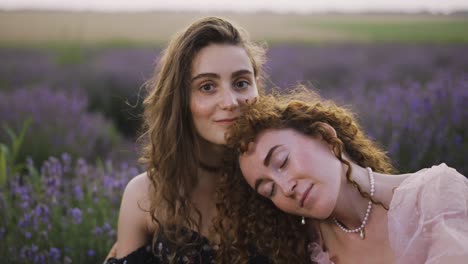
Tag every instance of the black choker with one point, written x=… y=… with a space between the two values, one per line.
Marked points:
x=208 y=168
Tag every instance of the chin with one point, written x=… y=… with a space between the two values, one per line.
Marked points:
x=323 y=213
x=218 y=141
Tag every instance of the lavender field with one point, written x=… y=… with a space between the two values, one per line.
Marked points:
x=69 y=119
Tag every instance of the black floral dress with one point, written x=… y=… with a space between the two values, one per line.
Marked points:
x=197 y=251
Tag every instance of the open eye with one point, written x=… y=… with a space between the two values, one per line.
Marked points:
x=242 y=84
x=207 y=88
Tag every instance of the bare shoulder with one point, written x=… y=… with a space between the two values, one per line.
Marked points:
x=138 y=187
x=134 y=218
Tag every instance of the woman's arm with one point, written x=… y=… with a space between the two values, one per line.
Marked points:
x=449 y=227
x=133 y=230
x=449 y=240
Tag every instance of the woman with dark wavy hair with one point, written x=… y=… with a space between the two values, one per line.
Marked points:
x=175 y=211
x=310 y=158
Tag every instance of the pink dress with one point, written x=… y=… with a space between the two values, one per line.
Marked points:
x=427 y=219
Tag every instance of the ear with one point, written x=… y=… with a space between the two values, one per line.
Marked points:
x=250 y=148
x=328 y=128
x=330 y=131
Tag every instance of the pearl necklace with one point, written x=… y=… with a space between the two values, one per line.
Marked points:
x=360 y=229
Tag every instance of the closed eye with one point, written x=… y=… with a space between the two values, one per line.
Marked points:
x=285 y=162
x=273 y=190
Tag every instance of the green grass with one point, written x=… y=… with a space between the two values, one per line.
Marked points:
x=396 y=31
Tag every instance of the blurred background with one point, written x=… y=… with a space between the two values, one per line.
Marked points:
x=71 y=76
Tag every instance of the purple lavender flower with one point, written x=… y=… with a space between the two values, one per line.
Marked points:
x=81 y=167
x=52 y=192
x=60 y=124
x=23 y=192
x=25 y=204
x=54 y=254
x=91 y=253
x=97 y=231
x=76 y=215
x=402 y=94
x=42 y=212
x=78 y=192
x=66 y=159
x=106 y=227
x=34 y=248
x=25 y=221
x=39 y=259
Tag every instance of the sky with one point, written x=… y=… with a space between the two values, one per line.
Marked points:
x=300 y=6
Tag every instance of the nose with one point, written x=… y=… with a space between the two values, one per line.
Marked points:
x=288 y=186
x=229 y=99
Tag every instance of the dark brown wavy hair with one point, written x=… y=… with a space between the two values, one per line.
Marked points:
x=170 y=151
x=304 y=111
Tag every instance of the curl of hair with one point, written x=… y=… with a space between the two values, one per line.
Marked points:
x=169 y=150
x=302 y=110
x=255 y=226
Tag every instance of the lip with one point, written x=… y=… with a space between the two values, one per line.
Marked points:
x=305 y=195
x=226 y=121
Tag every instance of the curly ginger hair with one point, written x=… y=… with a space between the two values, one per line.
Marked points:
x=305 y=112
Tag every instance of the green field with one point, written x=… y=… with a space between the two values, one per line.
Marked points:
x=26 y=28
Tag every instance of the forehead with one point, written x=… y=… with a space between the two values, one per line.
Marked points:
x=269 y=138
x=221 y=58
x=251 y=162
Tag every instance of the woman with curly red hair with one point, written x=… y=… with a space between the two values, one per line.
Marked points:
x=310 y=158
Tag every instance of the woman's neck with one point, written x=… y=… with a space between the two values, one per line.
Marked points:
x=210 y=154
x=203 y=194
x=351 y=206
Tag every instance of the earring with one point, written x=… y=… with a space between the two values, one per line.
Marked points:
x=303 y=220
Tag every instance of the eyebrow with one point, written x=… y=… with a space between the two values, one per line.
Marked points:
x=240 y=72
x=201 y=75
x=216 y=76
x=266 y=162
x=267 y=159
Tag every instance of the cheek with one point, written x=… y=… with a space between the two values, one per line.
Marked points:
x=244 y=169
x=200 y=108
x=253 y=93
x=287 y=206
x=320 y=162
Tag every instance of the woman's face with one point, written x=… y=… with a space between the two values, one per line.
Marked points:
x=222 y=78
x=300 y=174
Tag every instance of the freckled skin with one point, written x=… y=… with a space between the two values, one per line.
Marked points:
x=298 y=163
